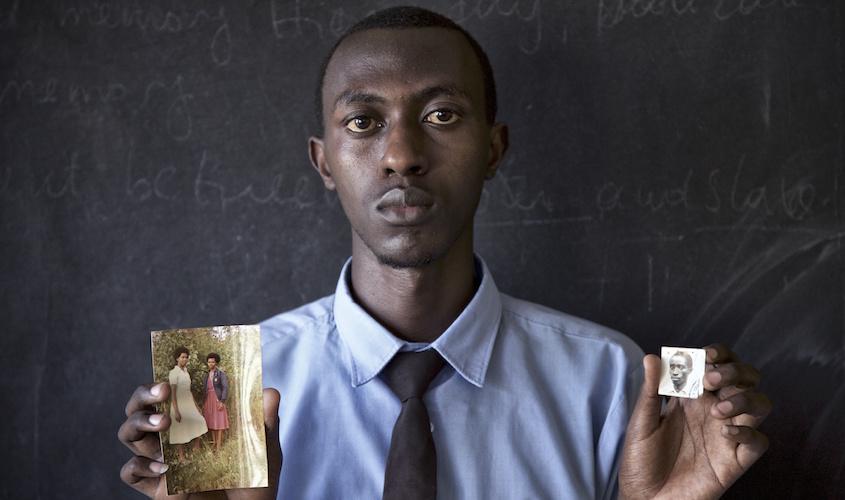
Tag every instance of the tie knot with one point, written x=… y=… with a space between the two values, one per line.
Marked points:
x=409 y=373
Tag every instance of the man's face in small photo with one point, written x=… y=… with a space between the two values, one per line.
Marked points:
x=679 y=369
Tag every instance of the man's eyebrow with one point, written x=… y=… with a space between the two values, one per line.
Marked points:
x=446 y=89
x=357 y=96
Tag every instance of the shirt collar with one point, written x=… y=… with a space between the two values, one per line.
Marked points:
x=466 y=345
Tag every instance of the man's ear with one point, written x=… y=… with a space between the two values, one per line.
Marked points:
x=317 y=153
x=499 y=141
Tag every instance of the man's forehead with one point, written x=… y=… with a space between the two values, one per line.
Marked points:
x=417 y=52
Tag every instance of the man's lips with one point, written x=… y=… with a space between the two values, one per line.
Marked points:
x=408 y=206
x=404 y=198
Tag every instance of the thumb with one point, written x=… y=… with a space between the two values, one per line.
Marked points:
x=271 y=428
x=271 y=408
x=646 y=416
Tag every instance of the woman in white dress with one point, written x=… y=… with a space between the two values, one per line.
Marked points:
x=187 y=423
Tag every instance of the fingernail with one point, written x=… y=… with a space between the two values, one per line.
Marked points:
x=155 y=390
x=158 y=467
x=730 y=430
x=156 y=418
x=714 y=378
x=725 y=407
x=712 y=353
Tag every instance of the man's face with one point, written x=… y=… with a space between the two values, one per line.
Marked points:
x=406 y=143
x=679 y=370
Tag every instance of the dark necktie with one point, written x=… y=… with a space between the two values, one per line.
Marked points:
x=411 y=471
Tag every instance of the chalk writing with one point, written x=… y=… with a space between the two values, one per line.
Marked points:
x=142 y=188
x=673 y=197
x=84 y=94
x=795 y=199
x=8 y=17
x=511 y=191
x=55 y=190
x=178 y=119
x=179 y=122
x=461 y=11
x=292 y=20
x=151 y=20
x=295 y=25
x=726 y=9
x=207 y=190
x=41 y=93
x=611 y=13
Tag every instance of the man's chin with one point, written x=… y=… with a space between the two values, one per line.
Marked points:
x=406 y=262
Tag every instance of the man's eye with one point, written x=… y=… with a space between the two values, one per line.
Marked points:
x=361 y=124
x=441 y=117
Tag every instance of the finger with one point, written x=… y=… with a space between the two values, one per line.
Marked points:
x=748 y=409
x=271 y=407
x=752 y=443
x=718 y=354
x=271 y=423
x=146 y=396
x=646 y=416
x=144 y=475
x=731 y=378
x=140 y=433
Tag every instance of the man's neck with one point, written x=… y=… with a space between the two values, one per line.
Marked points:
x=415 y=304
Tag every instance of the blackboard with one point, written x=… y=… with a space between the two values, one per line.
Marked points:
x=674 y=173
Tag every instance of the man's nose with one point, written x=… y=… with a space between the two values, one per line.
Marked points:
x=404 y=149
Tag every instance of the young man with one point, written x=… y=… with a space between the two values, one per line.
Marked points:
x=680 y=367
x=531 y=403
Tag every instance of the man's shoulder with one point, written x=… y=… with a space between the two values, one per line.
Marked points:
x=309 y=316
x=537 y=319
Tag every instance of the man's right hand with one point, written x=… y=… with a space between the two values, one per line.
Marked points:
x=139 y=433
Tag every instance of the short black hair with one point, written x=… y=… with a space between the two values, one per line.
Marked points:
x=213 y=355
x=404 y=17
x=179 y=350
x=685 y=355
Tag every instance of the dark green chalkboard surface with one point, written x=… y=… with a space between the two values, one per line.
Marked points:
x=675 y=173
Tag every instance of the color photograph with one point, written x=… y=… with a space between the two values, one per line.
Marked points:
x=216 y=439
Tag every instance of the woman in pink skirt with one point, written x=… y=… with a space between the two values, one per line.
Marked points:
x=215 y=391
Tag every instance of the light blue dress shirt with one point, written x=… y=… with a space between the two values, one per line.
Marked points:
x=532 y=403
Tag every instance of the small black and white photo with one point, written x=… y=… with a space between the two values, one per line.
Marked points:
x=681 y=372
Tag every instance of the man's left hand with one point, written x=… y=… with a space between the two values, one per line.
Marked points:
x=694 y=448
